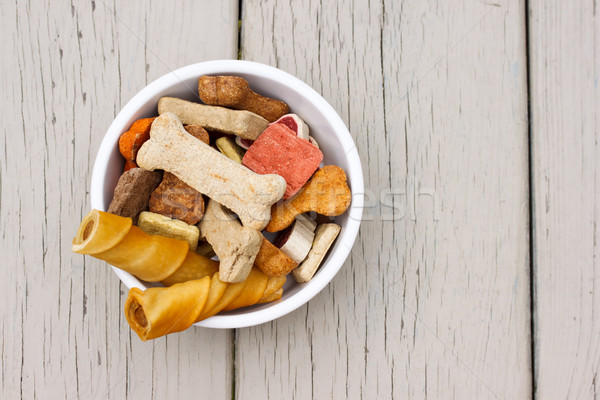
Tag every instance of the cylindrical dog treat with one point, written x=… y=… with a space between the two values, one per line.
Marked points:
x=151 y=258
x=159 y=311
x=296 y=240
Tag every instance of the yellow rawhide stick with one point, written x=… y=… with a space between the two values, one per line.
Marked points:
x=159 y=311
x=151 y=258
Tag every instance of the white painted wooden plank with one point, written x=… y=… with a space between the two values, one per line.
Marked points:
x=565 y=102
x=434 y=301
x=67 y=69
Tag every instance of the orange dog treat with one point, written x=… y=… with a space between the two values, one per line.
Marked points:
x=129 y=165
x=272 y=261
x=234 y=92
x=131 y=141
x=326 y=193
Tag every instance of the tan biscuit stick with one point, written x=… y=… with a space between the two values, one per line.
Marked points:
x=234 y=92
x=244 y=124
x=246 y=193
x=326 y=193
x=324 y=238
x=235 y=245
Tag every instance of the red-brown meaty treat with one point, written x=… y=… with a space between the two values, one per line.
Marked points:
x=176 y=199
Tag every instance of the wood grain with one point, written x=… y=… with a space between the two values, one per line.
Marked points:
x=565 y=102
x=434 y=301
x=67 y=70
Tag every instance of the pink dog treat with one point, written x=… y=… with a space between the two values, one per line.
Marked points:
x=295 y=123
x=279 y=151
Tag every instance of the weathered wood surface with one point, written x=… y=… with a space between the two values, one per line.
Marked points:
x=565 y=124
x=67 y=69
x=434 y=302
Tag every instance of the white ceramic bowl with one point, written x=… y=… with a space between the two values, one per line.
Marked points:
x=325 y=125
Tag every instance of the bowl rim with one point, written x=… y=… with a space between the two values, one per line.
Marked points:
x=354 y=174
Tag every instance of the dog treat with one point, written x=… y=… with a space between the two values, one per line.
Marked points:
x=243 y=143
x=132 y=193
x=234 y=92
x=296 y=240
x=131 y=141
x=235 y=245
x=129 y=165
x=279 y=151
x=227 y=146
x=273 y=261
x=244 y=124
x=324 y=238
x=157 y=224
x=208 y=171
x=205 y=249
x=151 y=258
x=158 y=311
x=273 y=297
x=296 y=124
x=198 y=132
x=250 y=158
x=326 y=193
x=175 y=199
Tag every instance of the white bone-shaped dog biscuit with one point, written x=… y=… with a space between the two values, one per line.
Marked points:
x=244 y=192
x=235 y=245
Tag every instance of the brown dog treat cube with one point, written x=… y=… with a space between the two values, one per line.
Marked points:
x=279 y=151
x=176 y=199
x=133 y=191
x=234 y=92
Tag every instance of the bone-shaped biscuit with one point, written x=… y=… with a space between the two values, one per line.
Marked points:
x=234 y=92
x=246 y=193
x=326 y=193
x=235 y=245
x=244 y=124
